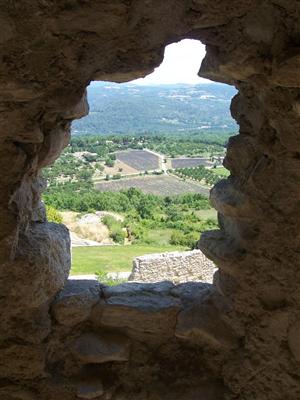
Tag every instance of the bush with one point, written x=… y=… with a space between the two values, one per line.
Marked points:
x=109 y=162
x=53 y=215
x=103 y=278
x=177 y=238
x=116 y=176
x=115 y=229
x=189 y=240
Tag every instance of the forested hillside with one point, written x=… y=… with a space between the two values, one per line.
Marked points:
x=134 y=109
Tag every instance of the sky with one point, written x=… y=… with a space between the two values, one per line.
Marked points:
x=180 y=65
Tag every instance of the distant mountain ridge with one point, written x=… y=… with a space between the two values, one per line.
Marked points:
x=179 y=108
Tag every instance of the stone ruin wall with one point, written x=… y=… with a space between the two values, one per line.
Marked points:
x=176 y=267
x=237 y=339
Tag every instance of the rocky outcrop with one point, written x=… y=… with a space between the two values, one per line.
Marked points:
x=241 y=343
x=176 y=267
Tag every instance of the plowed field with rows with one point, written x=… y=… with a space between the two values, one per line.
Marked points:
x=161 y=185
x=141 y=160
x=189 y=162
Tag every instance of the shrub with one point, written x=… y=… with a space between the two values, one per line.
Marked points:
x=115 y=229
x=109 y=162
x=177 y=238
x=53 y=215
x=191 y=240
x=103 y=278
x=116 y=176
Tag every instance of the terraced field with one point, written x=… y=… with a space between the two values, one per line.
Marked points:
x=141 y=160
x=161 y=185
x=189 y=162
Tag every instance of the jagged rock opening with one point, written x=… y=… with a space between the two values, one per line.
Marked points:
x=237 y=339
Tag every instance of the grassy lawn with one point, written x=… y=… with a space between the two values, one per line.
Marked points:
x=221 y=171
x=88 y=260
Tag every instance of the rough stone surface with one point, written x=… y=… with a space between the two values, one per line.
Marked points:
x=176 y=267
x=74 y=303
x=91 y=348
x=294 y=340
x=49 y=52
x=90 y=390
x=144 y=311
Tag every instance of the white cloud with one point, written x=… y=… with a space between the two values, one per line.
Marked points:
x=181 y=64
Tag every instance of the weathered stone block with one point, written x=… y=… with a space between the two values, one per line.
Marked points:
x=74 y=303
x=285 y=73
x=92 y=348
x=42 y=263
x=142 y=311
x=89 y=390
x=22 y=362
x=203 y=321
x=294 y=340
x=11 y=392
x=222 y=249
x=81 y=109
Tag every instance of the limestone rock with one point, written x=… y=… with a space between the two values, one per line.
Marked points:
x=222 y=249
x=22 y=362
x=42 y=263
x=189 y=292
x=31 y=326
x=49 y=52
x=16 y=393
x=142 y=311
x=227 y=200
x=80 y=110
x=53 y=145
x=294 y=340
x=91 y=348
x=201 y=322
x=285 y=73
x=74 y=303
x=90 y=390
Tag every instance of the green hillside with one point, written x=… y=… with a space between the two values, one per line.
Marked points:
x=127 y=108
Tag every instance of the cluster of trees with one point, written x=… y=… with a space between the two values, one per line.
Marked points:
x=192 y=145
x=171 y=145
x=198 y=174
x=143 y=212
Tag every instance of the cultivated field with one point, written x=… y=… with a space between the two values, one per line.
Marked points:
x=190 y=162
x=120 y=168
x=159 y=185
x=141 y=160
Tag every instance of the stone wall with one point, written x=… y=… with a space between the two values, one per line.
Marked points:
x=241 y=336
x=176 y=267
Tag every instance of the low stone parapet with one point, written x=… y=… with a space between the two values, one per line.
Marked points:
x=177 y=267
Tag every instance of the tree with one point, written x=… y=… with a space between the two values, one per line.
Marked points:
x=109 y=162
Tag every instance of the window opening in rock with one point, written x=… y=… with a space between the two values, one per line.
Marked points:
x=136 y=176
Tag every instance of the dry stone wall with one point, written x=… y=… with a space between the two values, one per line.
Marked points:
x=237 y=339
x=176 y=267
